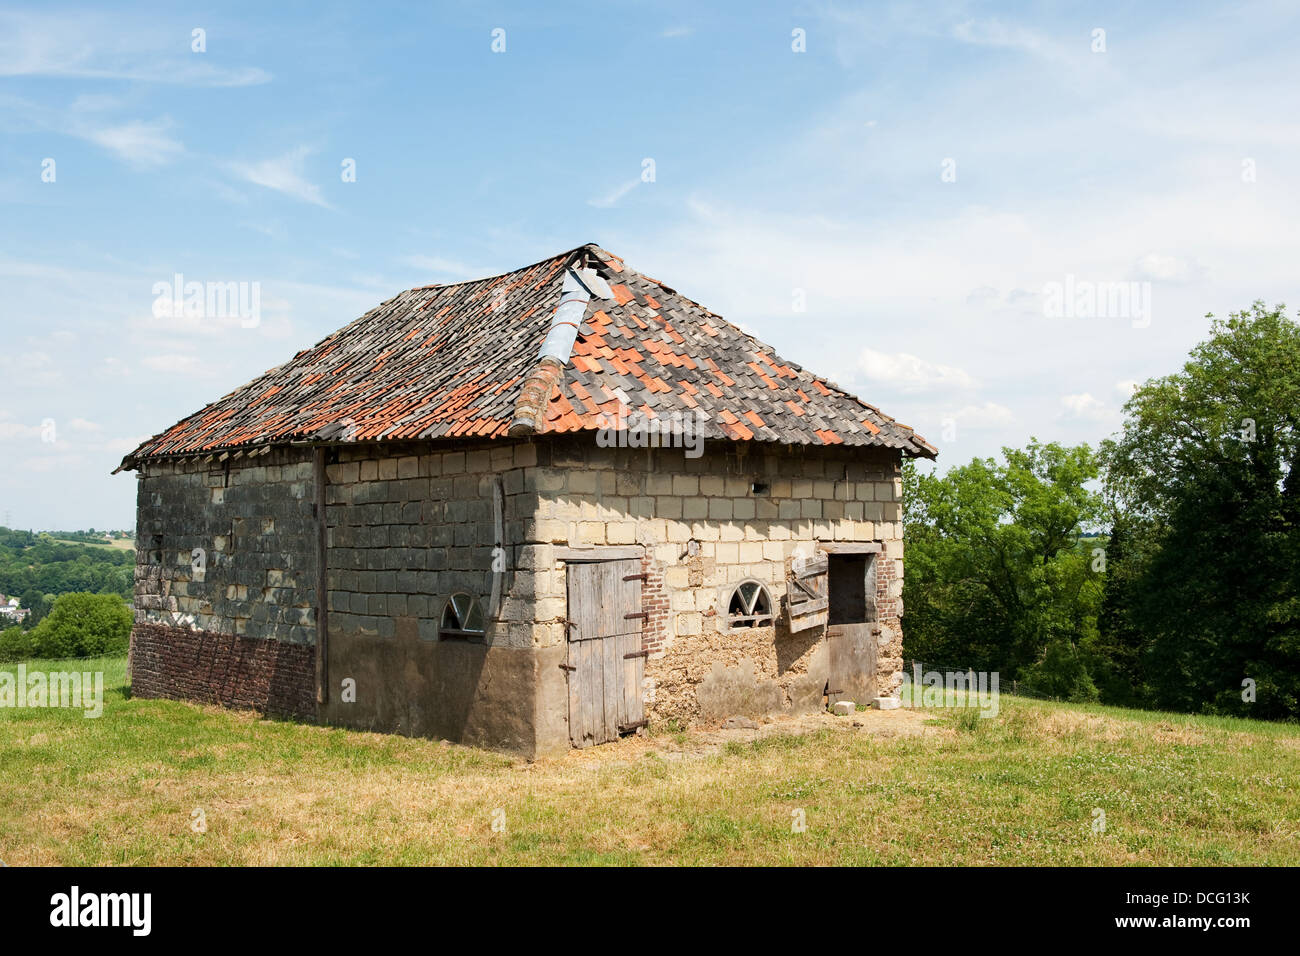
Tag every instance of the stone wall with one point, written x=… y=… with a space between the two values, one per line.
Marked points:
x=748 y=508
x=408 y=527
x=201 y=620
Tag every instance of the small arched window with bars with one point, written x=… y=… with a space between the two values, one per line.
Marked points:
x=462 y=618
x=750 y=606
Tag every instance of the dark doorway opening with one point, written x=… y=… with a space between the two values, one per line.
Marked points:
x=852 y=586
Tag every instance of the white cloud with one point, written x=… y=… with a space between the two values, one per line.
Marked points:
x=92 y=46
x=1085 y=407
x=987 y=416
x=10 y=431
x=173 y=362
x=612 y=198
x=1082 y=405
x=120 y=446
x=442 y=267
x=994 y=33
x=911 y=373
x=1164 y=268
x=139 y=143
x=283 y=174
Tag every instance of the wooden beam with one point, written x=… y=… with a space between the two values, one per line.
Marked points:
x=615 y=553
x=499 y=539
x=322 y=580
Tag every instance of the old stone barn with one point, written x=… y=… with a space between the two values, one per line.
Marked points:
x=527 y=512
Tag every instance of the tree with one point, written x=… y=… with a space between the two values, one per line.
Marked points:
x=83 y=625
x=996 y=572
x=1206 y=478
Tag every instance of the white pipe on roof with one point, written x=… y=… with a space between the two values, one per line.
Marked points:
x=577 y=291
x=559 y=340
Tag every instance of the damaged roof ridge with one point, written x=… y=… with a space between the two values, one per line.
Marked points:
x=509 y=272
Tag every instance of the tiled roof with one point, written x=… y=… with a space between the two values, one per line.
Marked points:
x=447 y=361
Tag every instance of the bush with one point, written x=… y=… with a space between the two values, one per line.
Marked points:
x=1061 y=674
x=83 y=625
x=15 y=645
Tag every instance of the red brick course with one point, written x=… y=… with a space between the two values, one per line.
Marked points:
x=269 y=676
x=654 y=601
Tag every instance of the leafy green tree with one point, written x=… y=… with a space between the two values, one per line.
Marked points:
x=83 y=625
x=1116 y=653
x=996 y=571
x=15 y=644
x=1206 y=476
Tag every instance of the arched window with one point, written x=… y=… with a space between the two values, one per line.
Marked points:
x=462 y=618
x=750 y=606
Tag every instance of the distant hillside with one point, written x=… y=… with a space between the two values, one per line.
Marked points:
x=36 y=568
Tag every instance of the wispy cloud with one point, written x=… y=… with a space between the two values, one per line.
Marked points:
x=990 y=415
x=994 y=33
x=910 y=373
x=611 y=199
x=444 y=268
x=139 y=143
x=1163 y=268
x=96 y=47
x=1088 y=408
x=283 y=174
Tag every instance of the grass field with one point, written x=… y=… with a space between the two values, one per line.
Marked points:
x=117 y=544
x=905 y=787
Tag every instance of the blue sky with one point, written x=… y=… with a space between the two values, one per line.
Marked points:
x=1166 y=159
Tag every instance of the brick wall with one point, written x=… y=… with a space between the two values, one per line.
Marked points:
x=273 y=677
x=654 y=601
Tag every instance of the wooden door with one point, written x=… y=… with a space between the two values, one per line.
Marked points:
x=606 y=663
x=853 y=662
x=853 y=630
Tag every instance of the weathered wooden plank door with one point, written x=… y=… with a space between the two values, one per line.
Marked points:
x=853 y=662
x=852 y=628
x=606 y=664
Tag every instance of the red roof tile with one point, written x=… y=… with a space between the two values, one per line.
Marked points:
x=388 y=375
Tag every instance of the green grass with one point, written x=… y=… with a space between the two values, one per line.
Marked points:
x=1020 y=788
x=117 y=544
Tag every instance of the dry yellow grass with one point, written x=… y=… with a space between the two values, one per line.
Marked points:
x=896 y=787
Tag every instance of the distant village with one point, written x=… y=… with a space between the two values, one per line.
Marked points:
x=10 y=611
